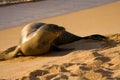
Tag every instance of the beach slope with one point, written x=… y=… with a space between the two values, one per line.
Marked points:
x=91 y=60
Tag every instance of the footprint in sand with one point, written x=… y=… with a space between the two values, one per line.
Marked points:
x=101 y=57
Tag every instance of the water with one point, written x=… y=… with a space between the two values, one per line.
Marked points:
x=17 y=14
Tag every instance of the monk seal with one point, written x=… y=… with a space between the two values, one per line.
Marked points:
x=36 y=39
x=39 y=38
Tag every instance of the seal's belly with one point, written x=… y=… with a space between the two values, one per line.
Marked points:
x=38 y=43
x=34 y=49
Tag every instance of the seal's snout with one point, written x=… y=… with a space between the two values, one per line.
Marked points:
x=54 y=28
x=62 y=28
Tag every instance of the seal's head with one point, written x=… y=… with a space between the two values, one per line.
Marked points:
x=55 y=29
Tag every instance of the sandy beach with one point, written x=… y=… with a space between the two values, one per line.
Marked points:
x=90 y=60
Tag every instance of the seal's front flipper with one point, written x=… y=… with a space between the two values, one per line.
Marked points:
x=4 y=56
x=10 y=53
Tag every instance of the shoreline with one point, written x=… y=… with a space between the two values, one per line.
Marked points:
x=5 y=3
x=18 y=15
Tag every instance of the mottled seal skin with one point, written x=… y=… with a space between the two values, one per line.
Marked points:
x=41 y=41
x=36 y=39
x=39 y=38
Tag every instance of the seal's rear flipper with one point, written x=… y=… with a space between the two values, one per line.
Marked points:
x=96 y=37
x=67 y=37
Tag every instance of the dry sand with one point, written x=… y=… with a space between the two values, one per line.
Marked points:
x=91 y=60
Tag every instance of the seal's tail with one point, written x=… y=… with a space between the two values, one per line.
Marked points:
x=65 y=38
x=96 y=37
x=68 y=37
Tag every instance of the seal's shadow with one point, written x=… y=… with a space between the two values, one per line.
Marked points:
x=78 y=45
